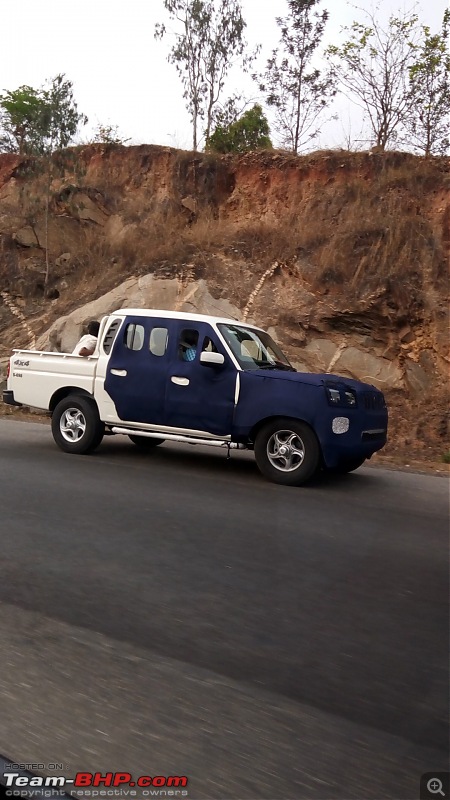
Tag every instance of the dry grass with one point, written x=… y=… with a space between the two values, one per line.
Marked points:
x=359 y=226
x=351 y=239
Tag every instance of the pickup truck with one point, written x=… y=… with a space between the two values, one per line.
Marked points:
x=162 y=375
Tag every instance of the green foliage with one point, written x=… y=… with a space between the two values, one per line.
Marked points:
x=210 y=40
x=20 y=120
x=298 y=92
x=109 y=134
x=446 y=457
x=249 y=132
x=39 y=121
x=428 y=124
x=60 y=114
x=373 y=66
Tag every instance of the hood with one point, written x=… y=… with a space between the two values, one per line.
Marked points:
x=311 y=378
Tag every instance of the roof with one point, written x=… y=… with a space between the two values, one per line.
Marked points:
x=155 y=312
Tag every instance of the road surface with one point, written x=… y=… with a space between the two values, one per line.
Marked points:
x=172 y=613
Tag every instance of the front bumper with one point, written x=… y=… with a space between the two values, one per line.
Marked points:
x=8 y=398
x=366 y=434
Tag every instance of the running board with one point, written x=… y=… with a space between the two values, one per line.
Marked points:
x=173 y=437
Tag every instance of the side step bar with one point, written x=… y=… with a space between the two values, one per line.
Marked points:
x=174 y=437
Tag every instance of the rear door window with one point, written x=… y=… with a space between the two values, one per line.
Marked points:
x=159 y=338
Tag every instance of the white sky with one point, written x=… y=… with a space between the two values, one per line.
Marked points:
x=120 y=73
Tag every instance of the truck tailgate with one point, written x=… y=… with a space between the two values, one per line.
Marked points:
x=35 y=376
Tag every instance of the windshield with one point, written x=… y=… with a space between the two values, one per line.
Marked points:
x=254 y=349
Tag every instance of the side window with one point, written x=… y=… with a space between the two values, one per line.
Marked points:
x=208 y=346
x=187 y=345
x=134 y=336
x=158 y=341
x=110 y=335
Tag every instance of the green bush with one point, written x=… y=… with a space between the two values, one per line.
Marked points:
x=249 y=132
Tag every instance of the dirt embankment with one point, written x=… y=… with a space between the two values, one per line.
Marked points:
x=344 y=256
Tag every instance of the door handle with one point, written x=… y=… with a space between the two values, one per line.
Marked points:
x=180 y=381
x=120 y=372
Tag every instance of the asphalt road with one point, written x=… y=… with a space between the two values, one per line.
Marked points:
x=172 y=612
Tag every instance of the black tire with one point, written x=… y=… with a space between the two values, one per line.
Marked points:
x=302 y=457
x=145 y=442
x=76 y=425
x=348 y=466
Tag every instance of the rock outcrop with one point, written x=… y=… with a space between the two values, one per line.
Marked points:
x=144 y=292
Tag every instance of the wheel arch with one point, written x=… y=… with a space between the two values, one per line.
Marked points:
x=263 y=422
x=60 y=394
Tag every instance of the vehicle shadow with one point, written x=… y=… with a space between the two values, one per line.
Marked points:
x=241 y=463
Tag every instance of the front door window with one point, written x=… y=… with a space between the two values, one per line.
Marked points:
x=188 y=345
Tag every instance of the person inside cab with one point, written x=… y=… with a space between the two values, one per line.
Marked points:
x=188 y=345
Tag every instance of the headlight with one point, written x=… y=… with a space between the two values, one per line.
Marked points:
x=350 y=397
x=334 y=395
x=340 y=396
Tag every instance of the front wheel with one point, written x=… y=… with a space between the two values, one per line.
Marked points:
x=287 y=452
x=76 y=425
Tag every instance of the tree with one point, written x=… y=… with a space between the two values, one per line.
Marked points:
x=109 y=134
x=39 y=121
x=59 y=123
x=249 y=132
x=210 y=42
x=373 y=66
x=60 y=116
x=428 y=123
x=20 y=120
x=298 y=92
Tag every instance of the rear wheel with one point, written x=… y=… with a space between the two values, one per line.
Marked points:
x=145 y=442
x=287 y=452
x=76 y=425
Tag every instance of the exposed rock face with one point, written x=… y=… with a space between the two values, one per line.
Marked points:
x=26 y=237
x=84 y=208
x=343 y=256
x=319 y=355
x=145 y=292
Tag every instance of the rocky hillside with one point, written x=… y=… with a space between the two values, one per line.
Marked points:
x=343 y=256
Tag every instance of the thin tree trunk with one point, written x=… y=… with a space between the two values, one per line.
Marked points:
x=428 y=142
x=47 y=203
x=194 y=143
x=297 y=121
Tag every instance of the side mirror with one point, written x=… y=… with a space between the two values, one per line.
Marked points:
x=212 y=359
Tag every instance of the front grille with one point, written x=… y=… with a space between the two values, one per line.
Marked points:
x=373 y=401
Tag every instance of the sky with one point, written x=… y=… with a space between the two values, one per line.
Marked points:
x=120 y=73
